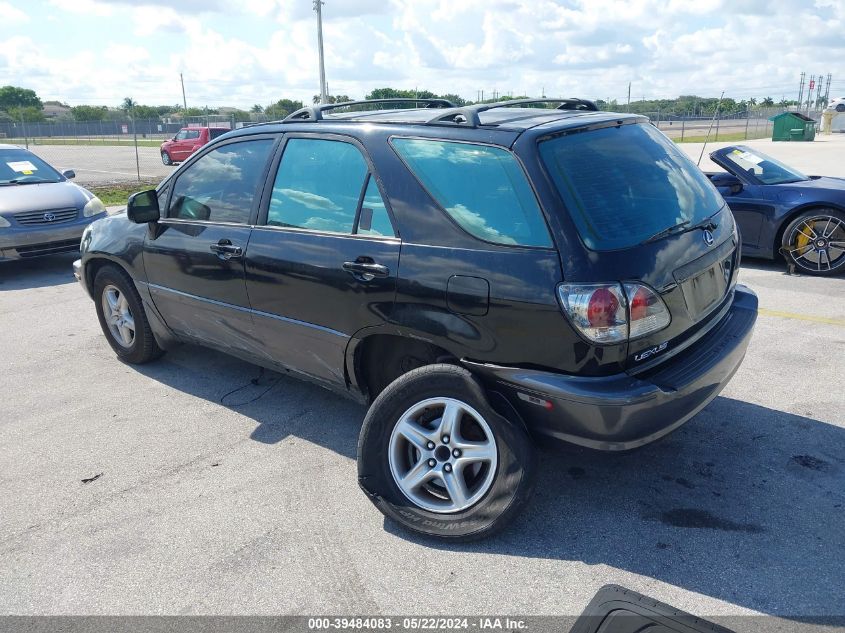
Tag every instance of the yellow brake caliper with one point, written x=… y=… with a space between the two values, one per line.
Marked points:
x=802 y=239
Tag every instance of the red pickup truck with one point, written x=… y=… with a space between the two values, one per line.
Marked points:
x=187 y=141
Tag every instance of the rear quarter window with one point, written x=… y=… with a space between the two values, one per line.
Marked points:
x=483 y=188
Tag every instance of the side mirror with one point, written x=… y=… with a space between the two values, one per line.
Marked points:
x=69 y=174
x=142 y=207
x=727 y=184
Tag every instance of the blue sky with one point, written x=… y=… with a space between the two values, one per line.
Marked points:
x=258 y=51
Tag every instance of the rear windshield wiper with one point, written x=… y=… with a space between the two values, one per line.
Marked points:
x=677 y=228
x=684 y=227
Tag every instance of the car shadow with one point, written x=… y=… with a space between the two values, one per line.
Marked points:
x=281 y=406
x=777 y=266
x=743 y=504
x=38 y=272
x=772 y=265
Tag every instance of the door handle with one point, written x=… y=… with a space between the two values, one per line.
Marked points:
x=365 y=269
x=226 y=250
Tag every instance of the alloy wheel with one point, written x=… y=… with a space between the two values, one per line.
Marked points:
x=442 y=455
x=118 y=316
x=818 y=244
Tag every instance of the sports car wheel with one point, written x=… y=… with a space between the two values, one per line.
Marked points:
x=815 y=242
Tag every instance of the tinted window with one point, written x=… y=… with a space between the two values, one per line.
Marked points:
x=218 y=132
x=374 y=219
x=221 y=185
x=192 y=134
x=624 y=184
x=318 y=186
x=482 y=187
x=181 y=135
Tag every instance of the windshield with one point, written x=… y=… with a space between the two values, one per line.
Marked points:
x=764 y=168
x=18 y=166
x=625 y=184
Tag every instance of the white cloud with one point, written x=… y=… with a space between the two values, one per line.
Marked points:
x=11 y=15
x=262 y=50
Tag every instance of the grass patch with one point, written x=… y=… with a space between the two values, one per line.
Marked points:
x=115 y=194
x=733 y=136
x=107 y=142
x=98 y=142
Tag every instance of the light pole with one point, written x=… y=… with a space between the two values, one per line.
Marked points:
x=318 y=7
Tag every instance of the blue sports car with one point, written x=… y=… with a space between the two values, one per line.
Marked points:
x=781 y=211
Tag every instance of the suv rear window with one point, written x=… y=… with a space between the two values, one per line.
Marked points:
x=483 y=188
x=625 y=183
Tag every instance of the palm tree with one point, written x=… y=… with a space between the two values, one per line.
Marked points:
x=256 y=109
x=767 y=102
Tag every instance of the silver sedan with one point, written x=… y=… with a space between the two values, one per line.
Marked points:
x=41 y=211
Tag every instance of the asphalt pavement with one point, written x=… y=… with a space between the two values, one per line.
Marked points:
x=181 y=487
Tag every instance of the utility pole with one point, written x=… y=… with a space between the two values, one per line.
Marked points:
x=810 y=87
x=801 y=91
x=318 y=7
x=819 y=92
x=827 y=89
x=628 y=107
x=184 y=101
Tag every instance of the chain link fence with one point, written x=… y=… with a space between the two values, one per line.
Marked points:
x=128 y=151
x=106 y=152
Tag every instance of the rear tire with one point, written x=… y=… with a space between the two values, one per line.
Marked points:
x=814 y=242
x=435 y=457
x=165 y=158
x=122 y=317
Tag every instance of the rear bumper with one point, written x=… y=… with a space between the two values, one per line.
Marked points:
x=622 y=412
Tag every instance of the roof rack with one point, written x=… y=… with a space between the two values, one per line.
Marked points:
x=468 y=115
x=315 y=113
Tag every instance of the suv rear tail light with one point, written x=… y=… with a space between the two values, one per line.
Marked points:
x=647 y=312
x=613 y=313
x=599 y=311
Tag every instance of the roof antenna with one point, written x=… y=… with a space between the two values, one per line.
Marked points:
x=707 y=138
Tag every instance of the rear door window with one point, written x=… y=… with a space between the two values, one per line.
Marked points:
x=624 y=184
x=483 y=188
x=325 y=185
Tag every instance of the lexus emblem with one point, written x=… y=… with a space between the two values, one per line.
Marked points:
x=708 y=238
x=49 y=217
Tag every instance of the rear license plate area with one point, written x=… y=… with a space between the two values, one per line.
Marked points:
x=704 y=291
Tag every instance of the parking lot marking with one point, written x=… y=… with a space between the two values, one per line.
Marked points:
x=801 y=317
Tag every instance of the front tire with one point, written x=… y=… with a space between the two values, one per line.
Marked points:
x=814 y=242
x=434 y=456
x=122 y=317
x=165 y=158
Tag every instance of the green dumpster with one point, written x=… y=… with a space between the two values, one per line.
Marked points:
x=792 y=126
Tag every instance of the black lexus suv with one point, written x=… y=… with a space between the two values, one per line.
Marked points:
x=486 y=277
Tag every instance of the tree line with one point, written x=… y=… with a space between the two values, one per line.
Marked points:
x=23 y=104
